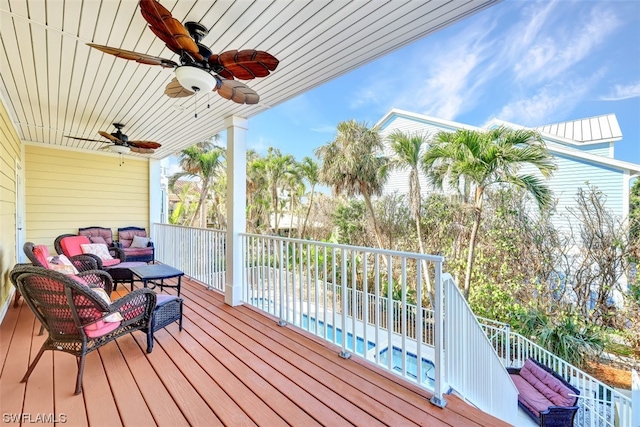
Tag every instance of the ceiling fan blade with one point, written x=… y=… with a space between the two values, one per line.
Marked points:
x=237 y=92
x=168 y=29
x=110 y=137
x=135 y=56
x=142 y=150
x=245 y=64
x=148 y=145
x=83 y=139
x=175 y=90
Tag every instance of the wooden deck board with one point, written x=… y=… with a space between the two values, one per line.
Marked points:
x=229 y=366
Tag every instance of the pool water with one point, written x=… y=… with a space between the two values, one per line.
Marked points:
x=338 y=338
x=428 y=368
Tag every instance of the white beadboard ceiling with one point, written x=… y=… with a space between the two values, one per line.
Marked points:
x=53 y=84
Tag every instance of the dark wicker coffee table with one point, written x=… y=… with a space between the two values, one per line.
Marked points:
x=155 y=274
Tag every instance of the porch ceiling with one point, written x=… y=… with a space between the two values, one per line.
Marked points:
x=53 y=84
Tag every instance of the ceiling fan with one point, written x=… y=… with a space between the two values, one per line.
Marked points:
x=199 y=70
x=120 y=143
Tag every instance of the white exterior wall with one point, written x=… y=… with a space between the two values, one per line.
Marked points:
x=603 y=149
x=573 y=174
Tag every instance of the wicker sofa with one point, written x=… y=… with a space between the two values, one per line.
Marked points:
x=544 y=395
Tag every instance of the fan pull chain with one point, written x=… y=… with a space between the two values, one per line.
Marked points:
x=208 y=102
x=195 y=104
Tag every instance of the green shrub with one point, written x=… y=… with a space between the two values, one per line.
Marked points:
x=564 y=334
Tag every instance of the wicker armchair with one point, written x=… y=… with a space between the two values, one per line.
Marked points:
x=80 y=262
x=61 y=248
x=118 y=268
x=76 y=317
x=144 y=252
x=85 y=265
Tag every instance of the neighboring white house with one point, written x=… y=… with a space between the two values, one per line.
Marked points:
x=583 y=151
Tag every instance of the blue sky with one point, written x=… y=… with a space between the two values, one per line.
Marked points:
x=525 y=62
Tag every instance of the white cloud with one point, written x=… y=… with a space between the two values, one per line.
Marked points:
x=620 y=92
x=260 y=145
x=173 y=168
x=546 y=52
x=324 y=129
x=547 y=103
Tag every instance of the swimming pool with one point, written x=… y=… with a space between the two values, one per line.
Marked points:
x=338 y=339
x=428 y=368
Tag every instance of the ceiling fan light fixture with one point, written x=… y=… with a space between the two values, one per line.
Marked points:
x=195 y=78
x=120 y=149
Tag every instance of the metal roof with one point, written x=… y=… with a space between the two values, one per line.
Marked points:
x=591 y=130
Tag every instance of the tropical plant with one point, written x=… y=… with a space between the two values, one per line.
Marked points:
x=183 y=208
x=295 y=188
x=352 y=164
x=276 y=168
x=483 y=159
x=309 y=171
x=258 y=199
x=566 y=335
x=349 y=227
x=407 y=154
x=203 y=161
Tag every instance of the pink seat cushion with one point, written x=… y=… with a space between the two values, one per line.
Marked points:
x=530 y=396
x=546 y=384
x=110 y=262
x=137 y=251
x=71 y=245
x=41 y=252
x=100 y=328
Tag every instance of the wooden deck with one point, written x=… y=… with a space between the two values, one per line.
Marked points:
x=229 y=366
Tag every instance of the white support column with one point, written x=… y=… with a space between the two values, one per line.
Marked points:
x=156 y=198
x=236 y=206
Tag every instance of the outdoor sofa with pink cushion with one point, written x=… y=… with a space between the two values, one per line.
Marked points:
x=544 y=395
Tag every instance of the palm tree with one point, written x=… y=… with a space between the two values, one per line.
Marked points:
x=309 y=171
x=486 y=158
x=407 y=150
x=295 y=187
x=276 y=167
x=352 y=164
x=257 y=192
x=202 y=161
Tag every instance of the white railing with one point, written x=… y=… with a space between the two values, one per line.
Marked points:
x=301 y=282
x=199 y=252
x=345 y=294
x=477 y=375
x=372 y=303
x=635 y=396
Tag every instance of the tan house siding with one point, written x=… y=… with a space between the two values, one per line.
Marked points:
x=66 y=190
x=10 y=152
